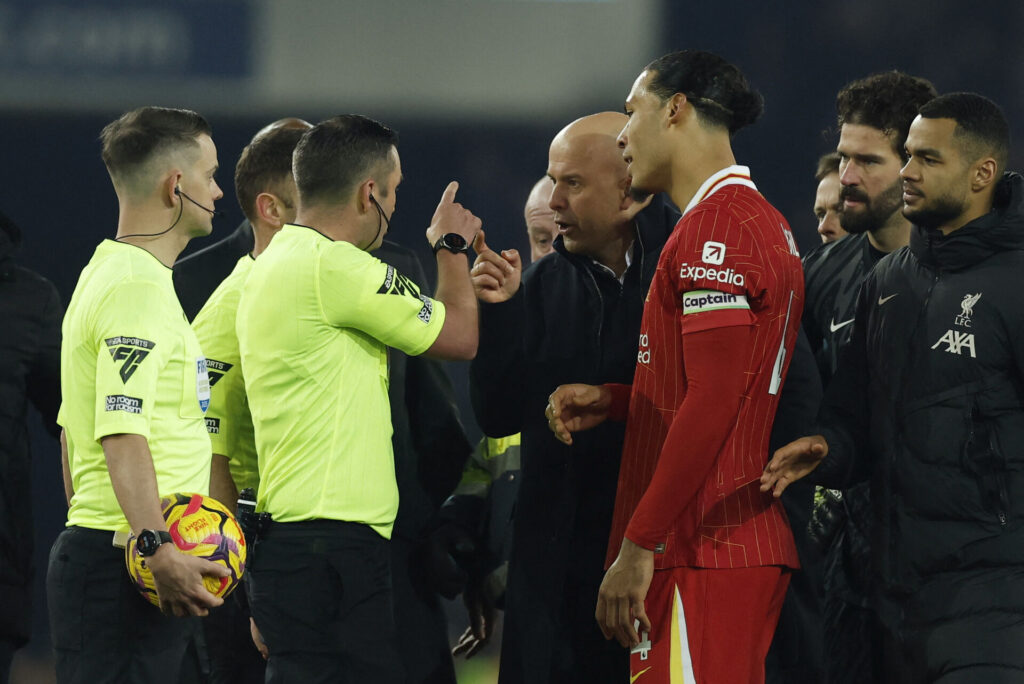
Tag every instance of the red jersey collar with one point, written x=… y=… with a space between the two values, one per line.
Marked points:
x=730 y=175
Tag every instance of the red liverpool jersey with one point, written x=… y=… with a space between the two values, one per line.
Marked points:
x=730 y=261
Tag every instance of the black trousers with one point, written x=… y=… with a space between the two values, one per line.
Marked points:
x=101 y=627
x=321 y=596
x=230 y=655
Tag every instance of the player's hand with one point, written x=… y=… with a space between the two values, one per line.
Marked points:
x=620 y=600
x=576 y=407
x=452 y=217
x=791 y=462
x=481 y=623
x=179 y=581
x=257 y=639
x=496 y=277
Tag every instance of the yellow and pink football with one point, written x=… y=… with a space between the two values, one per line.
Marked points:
x=202 y=527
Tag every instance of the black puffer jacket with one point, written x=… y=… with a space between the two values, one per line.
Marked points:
x=30 y=317
x=933 y=384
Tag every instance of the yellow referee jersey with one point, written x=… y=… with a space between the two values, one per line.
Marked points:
x=228 y=420
x=313 y=324
x=130 y=364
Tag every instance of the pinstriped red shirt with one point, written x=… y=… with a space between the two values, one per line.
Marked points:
x=731 y=260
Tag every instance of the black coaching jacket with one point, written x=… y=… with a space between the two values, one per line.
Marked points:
x=928 y=400
x=30 y=317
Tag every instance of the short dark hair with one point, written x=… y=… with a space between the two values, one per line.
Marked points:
x=138 y=136
x=265 y=161
x=716 y=89
x=333 y=156
x=981 y=127
x=827 y=165
x=888 y=101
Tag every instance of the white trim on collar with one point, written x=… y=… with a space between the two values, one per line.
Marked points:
x=730 y=175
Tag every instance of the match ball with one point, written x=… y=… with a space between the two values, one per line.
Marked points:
x=199 y=526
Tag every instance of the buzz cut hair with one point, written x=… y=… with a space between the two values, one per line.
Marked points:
x=981 y=127
x=337 y=154
x=142 y=135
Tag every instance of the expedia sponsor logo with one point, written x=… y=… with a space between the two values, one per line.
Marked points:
x=217 y=370
x=213 y=426
x=119 y=402
x=717 y=275
x=644 y=355
x=130 y=351
x=714 y=253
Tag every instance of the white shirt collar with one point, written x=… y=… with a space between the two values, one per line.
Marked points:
x=730 y=175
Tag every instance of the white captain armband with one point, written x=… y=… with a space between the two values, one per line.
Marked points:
x=699 y=301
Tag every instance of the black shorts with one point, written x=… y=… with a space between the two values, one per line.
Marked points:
x=321 y=597
x=102 y=629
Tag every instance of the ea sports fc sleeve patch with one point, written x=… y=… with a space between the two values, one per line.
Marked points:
x=707 y=309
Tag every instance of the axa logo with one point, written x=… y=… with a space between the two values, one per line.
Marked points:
x=130 y=352
x=967 y=310
x=714 y=253
x=644 y=355
x=718 y=275
x=956 y=342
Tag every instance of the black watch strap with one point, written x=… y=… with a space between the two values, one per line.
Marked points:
x=150 y=540
x=453 y=242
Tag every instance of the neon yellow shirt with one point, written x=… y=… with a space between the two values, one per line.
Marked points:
x=130 y=364
x=314 y=323
x=228 y=419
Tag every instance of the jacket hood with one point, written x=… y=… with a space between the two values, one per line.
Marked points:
x=1000 y=230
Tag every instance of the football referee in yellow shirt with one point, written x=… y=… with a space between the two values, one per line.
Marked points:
x=314 y=323
x=134 y=387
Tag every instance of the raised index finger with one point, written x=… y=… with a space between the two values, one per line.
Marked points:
x=448 y=196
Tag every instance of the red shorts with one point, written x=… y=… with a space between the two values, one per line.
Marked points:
x=709 y=626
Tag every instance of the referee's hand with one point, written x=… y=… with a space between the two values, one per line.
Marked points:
x=452 y=217
x=179 y=581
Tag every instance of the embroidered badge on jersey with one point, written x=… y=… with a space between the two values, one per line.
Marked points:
x=397 y=284
x=130 y=352
x=217 y=370
x=202 y=384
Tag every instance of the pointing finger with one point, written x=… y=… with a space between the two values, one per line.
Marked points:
x=448 y=196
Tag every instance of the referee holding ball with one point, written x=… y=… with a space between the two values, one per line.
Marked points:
x=135 y=387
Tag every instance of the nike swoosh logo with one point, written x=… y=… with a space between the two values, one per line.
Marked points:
x=633 y=678
x=883 y=300
x=833 y=327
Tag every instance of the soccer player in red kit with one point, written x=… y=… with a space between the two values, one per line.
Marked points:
x=699 y=557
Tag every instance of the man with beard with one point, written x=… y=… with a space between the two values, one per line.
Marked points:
x=927 y=403
x=694 y=545
x=874 y=116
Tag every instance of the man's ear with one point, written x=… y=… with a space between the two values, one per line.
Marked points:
x=984 y=173
x=677 y=108
x=268 y=207
x=366 y=188
x=630 y=204
x=169 y=189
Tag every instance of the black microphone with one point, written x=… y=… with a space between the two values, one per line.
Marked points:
x=213 y=212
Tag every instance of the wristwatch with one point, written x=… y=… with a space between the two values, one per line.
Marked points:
x=149 y=541
x=453 y=242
